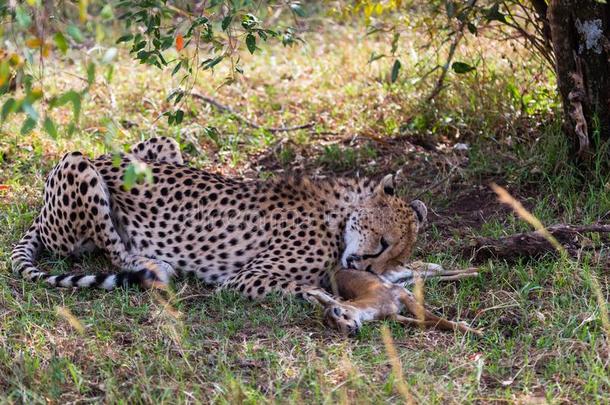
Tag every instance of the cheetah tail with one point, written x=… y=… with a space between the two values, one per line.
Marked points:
x=23 y=259
x=25 y=252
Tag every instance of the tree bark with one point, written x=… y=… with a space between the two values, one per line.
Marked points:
x=579 y=34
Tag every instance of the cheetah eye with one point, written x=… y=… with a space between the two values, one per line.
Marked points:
x=384 y=244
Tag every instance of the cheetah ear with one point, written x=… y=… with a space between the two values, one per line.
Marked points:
x=385 y=186
x=420 y=210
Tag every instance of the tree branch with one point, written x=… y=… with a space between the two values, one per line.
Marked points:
x=441 y=79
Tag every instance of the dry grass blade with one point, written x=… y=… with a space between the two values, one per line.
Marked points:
x=418 y=292
x=390 y=348
x=603 y=307
x=72 y=320
x=505 y=198
x=527 y=216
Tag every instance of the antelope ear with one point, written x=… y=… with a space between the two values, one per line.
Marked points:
x=385 y=186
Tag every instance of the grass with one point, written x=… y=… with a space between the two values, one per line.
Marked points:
x=544 y=340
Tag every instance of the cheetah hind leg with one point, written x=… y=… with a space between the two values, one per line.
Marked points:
x=87 y=214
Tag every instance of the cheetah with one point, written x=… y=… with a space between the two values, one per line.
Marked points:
x=256 y=237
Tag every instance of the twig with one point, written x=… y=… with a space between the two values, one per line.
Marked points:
x=441 y=79
x=540 y=43
x=243 y=119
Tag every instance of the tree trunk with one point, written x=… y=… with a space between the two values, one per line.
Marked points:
x=580 y=33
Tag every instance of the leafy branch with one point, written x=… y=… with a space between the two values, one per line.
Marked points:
x=180 y=38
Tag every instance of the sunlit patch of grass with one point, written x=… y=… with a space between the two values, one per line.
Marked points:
x=337 y=158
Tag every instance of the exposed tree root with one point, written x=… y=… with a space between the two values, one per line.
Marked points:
x=533 y=244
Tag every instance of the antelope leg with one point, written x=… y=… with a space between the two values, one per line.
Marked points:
x=406 y=274
x=430 y=319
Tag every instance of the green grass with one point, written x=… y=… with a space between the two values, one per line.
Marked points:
x=543 y=335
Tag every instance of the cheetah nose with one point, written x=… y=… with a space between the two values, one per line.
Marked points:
x=349 y=261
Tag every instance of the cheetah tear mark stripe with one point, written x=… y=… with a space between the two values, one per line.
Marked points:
x=24 y=255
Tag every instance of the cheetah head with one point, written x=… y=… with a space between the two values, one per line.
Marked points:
x=382 y=231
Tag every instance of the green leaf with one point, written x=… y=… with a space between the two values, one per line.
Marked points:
x=395 y=70
x=7 y=108
x=23 y=18
x=297 y=9
x=176 y=95
x=75 y=33
x=212 y=133
x=179 y=116
x=125 y=16
x=249 y=21
x=90 y=73
x=395 y=42
x=494 y=14
x=50 y=127
x=226 y=22
x=461 y=67
x=288 y=38
x=28 y=126
x=30 y=111
x=109 y=73
x=5 y=72
x=210 y=63
x=472 y=28
x=176 y=68
x=116 y=159
x=107 y=12
x=109 y=55
x=71 y=128
x=138 y=46
x=178 y=98
x=200 y=21
x=129 y=178
x=143 y=56
x=450 y=8
x=70 y=96
x=251 y=43
x=375 y=56
x=61 y=42
x=124 y=38
x=27 y=83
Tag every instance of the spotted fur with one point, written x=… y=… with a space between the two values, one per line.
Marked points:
x=252 y=236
